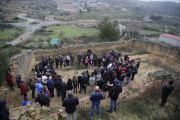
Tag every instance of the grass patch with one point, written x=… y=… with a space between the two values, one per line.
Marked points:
x=34 y=43
x=9 y=33
x=68 y=32
x=148 y=32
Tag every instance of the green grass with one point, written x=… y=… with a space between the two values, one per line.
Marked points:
x=10 y=33
x=20 y=21
x=69 y=32
x=148 y=32
x=138 y=109
x=33 y=43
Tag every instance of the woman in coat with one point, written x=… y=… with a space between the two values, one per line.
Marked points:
x=9 y=79
x=69 y=83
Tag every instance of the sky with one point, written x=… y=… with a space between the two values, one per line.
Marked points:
x=178 y=1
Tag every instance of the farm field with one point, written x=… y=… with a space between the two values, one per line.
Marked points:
x=9 y=33
x=148 y=32
x=68 y=32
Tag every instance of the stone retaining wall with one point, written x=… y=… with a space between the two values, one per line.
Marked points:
x=22 y=64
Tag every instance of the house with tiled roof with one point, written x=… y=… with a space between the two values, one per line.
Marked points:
x=170 y=39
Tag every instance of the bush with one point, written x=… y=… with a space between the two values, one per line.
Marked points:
x=127 y=37
x=15 y=18
x=82 y=67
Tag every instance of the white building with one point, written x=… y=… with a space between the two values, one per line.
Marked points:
x=122 y=28
x=170 y=39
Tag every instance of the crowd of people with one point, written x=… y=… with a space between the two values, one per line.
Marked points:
x=110 y=70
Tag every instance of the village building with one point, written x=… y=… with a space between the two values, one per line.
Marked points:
x=88 y=23
x=170 y=39
x=122 y=28
x=49 y=18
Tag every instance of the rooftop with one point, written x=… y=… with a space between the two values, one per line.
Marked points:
x=171 y=36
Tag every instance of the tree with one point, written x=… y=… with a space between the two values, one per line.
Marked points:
x=109 y=31
x=88 y=9
x=15 y=18
x=80 y=11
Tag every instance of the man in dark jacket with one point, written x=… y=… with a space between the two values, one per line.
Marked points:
x=72 y=59
x=58 y=83
x=31 y=86
x=79 y=56
x=125 y=57
x=18 y=81
x=128 y=75
x=40 y=100
x=106 y=75
x=3 y=109
x=134 y=71
x=167 y=89
x=46 y=97
x=57 y=61
x=63 y=89
x=99 y=62
x=70 y=104
x=61 y=61
x=50 y=84
x=137 y=65
x=84 y=83
x=114 y=94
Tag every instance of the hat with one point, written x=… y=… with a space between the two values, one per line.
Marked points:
x=39 y=94
x=38 y=81
x=19 y=75
x=116 y=82
x=30 y=79
x=22 y=80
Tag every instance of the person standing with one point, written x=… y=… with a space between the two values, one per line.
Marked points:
x=31 y=86
x=57 y=61
x=18 y=81
x=58 y=83
x=166 y=91
x=67 y=61
x=70 y=104
x=61 y=60
x=72 y=59
x=114 y=94
x=75 y=84
x=25 y=101
x=79 y=56
x=86 y=62
x=9 y=80
x=84 y=81
x=137 y=65
x=38 y=86
x=50 y=84
x=99 y=62
x=96 y=97
x=134 y=71
x=40 y=100
x=24 y=88
x=92 y=82
x=69 y=83
x=4 y=110
x=63 y=89
x=100 y=83
x=128 y=75
x=46 y=97
x=122 y=78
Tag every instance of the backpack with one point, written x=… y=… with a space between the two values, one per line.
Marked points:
x=86 y=60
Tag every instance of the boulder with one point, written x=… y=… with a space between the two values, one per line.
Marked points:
x=24 y=117
x=38 y=115
x=33 y=114
x=54 y=116
x=63 y=115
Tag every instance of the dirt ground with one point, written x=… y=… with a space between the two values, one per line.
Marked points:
x=66 y=73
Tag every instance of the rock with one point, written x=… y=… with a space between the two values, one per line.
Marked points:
x=38 y=115
x=46 y=108
x=63 y=115
x=54 y=116
x=33 y=114
x=24 y=117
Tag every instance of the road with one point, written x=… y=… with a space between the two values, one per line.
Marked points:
x=31 y=28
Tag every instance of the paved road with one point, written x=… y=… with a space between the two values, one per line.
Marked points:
x=32 y=28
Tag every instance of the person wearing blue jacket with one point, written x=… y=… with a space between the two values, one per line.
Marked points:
x=3 y=110
x=96 y=97
x=39 y=86
x=25 y=101
x=50 y=84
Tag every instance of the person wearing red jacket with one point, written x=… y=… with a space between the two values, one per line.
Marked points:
x=24 y=88
x=86 y=62
x=124 y=69
x=9 y=80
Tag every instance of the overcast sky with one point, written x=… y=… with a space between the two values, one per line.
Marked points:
x=178 y=1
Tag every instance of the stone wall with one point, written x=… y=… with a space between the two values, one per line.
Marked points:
x=22 y=64
x=153 y=47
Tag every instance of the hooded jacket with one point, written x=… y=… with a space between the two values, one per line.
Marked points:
x=50 y=83
x=24 y=88
x=39 y=87
x=3 y=109
x=24 y=102
x=96 y=97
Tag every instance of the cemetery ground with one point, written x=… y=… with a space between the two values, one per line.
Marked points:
x=65 y=31
x=137 y=108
